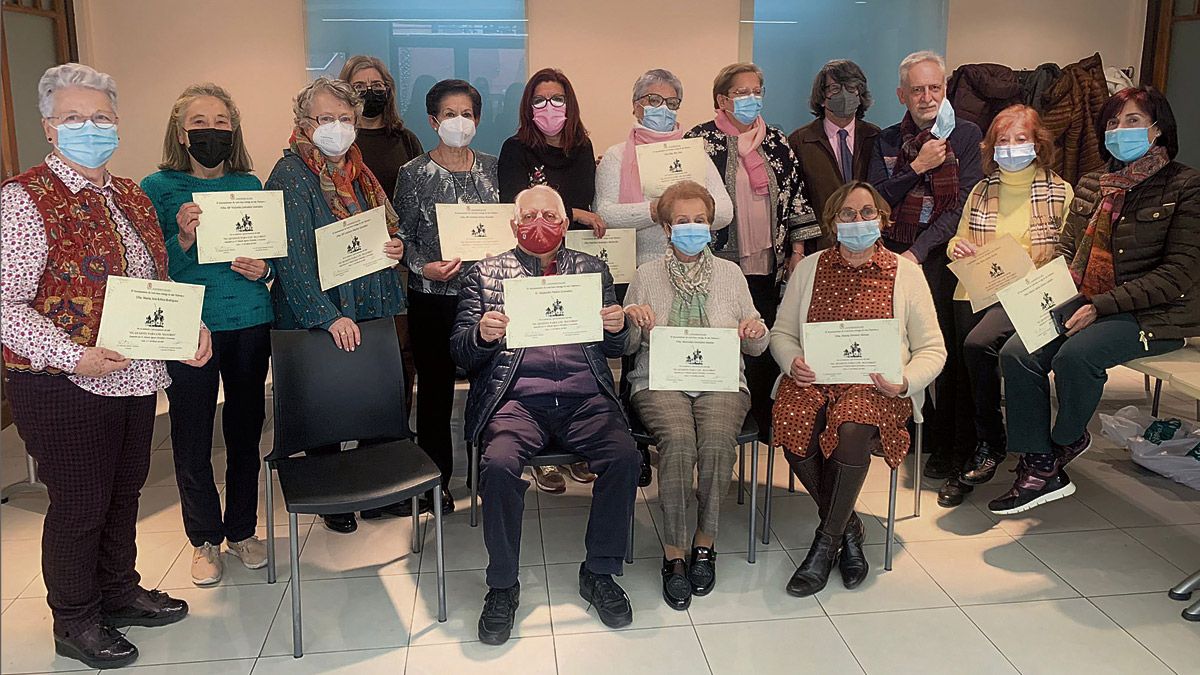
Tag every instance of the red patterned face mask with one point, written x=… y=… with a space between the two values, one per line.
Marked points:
x=539 y=235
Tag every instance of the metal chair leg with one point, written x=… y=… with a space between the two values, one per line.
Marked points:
x=30 y=484
x=297 y=626
x=917 y=472
x=473 y=460
x=752 y=554
x=741 y=475
x=791 y=481
x=891 y=522
x=436 y=496
x=270 y=523
x=766 y=529
x=1157 y=396
x=416 y=525
x=629 y=543
x=1183 y=590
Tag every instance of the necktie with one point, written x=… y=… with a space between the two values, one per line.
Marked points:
x=844 y=157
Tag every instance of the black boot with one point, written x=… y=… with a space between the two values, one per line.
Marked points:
x=853 y=561
x=840 y=485
x=813 y=573
x=808 y=470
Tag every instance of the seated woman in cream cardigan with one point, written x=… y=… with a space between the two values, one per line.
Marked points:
x=689 y=286
x=829 y=431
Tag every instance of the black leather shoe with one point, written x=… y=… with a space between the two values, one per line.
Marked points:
x=609 y=599
x=499 y=613
x=677 y=590
x=982 y=465
x=813 y=573
x=853 y=561
x=97 y=646
x=342 y=523
x=939 y=467
x=647 y=474
x=149 y=608
x=702 y=570
x=401 y=509
x=953 y=492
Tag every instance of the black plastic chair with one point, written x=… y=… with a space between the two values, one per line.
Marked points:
x=324 y=395
x=747 y=436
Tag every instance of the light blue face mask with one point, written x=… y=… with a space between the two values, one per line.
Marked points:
x=690 y=238
x=859 y=235
x=658 y=118
x=943 y=124
x=1129 y=143
x=1013 y=158
x=747 y=108
x=88 y=145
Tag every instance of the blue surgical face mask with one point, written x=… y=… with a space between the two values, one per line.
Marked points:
x=658 y=118
x=1129 y=143
x=88 y=145
x=859 y=235
x=1013 y=158
x=746 y=108
x=943 y=124
x=690 y=238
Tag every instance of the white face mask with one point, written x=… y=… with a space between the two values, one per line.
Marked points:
x=457 y=132
x=334 y=138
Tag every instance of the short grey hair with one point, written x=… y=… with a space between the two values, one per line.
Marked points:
x=653 y=77
x=73 y=75
x=339 y=88
x=921 y=57
x=562 y=208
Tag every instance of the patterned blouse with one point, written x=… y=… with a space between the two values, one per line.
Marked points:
x=421 y=185
x=23 y=257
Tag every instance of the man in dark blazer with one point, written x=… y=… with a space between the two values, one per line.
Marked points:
x=839 y=100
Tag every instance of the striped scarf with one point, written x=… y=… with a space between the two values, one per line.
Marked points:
x=1047 y=196
x=940 y=183
x=337 y=185
x=690 y=280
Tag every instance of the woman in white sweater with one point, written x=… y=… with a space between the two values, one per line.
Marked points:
x=829 y=430
x=619 y=198
x=689 y=286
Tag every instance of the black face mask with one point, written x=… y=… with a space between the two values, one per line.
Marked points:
x=210 y=147
x=374 y=102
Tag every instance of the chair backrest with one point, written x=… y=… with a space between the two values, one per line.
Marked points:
x=324 y=395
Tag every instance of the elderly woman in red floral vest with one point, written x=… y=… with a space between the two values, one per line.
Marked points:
x=86 y=413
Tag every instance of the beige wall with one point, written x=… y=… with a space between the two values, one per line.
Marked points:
x=256 y=52
x=1028 y=33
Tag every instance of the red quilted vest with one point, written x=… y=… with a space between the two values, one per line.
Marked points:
x=84 y=249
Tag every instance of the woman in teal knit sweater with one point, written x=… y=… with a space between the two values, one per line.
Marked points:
x=204 y=152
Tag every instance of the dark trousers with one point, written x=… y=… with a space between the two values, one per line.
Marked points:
x=1080 y=365
x=239 y=359
x=982 y=334
x=406 y=356
x=593 y=427
x=93 y=454
x=430 y=320
x=761 y=370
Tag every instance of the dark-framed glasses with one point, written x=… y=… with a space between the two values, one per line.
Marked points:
x=849 y=215
x=539 y=102
x=654 y=100
x=74 y=121
x=837 y=88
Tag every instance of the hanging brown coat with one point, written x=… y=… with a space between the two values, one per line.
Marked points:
x=1071 y=107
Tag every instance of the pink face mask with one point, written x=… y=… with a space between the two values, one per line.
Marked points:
x=550 y=119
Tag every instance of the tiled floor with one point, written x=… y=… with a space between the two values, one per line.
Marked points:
x=1074 y=587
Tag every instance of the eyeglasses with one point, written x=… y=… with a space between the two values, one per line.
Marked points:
x=755 y=91
x=330 y=119
x=376 y=86
x=552 y=217
x=849 y=215
x=655 y=100
x=836 y=88
x=75 y=121
x=539 y=102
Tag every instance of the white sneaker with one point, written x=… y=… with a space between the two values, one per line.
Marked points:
x=206 y=565
x=251 y=551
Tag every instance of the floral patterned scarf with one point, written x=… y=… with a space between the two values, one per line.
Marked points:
x=337 y=184
x=690 y=280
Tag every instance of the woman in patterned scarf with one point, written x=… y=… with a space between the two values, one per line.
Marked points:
x=324 y=180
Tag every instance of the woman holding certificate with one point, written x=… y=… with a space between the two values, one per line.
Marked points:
x=1016 y=211
x=1131 y=241
x=86 y=413
x=830 y=428
x=324 y=180
x=204 y=152
x=690 y=287
x=451 y=173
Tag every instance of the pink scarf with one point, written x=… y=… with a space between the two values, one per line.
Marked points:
x=631 y=178
x=748 y=144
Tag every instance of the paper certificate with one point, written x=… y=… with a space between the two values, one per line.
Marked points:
x=240 y=224
x=146 y=319
x=662 y=165
x=695 y=359
x=554 y=310
x=994 y=266
x=847 y=352
x=1028 y=302
x=618 y=250
x=352 y=248
x=474 y=231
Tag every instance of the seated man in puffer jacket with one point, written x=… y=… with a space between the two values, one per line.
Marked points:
x=524 y=400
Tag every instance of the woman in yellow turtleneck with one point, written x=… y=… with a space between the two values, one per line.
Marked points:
x=1022 y=197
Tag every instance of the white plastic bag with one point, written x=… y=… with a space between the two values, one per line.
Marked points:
x=1177 y=458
